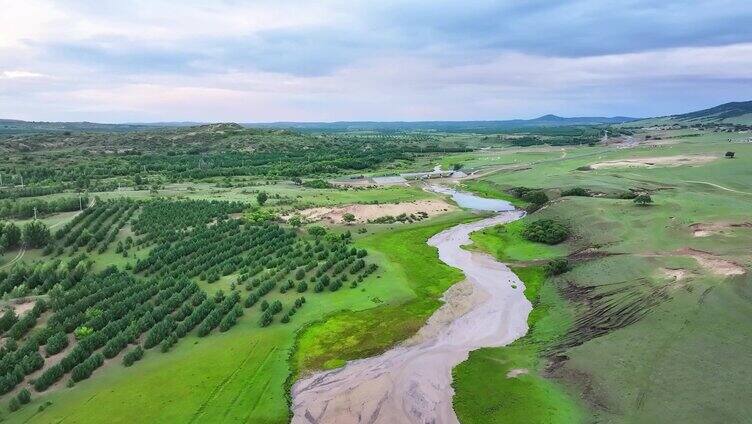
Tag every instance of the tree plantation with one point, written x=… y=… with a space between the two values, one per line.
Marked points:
x=82 y=319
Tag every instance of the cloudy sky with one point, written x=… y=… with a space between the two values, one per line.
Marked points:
x=256 y=61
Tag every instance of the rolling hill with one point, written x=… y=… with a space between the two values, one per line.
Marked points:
x=444 y=126
x=732 y=113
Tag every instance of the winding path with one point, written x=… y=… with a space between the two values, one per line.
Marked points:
x=411 y=383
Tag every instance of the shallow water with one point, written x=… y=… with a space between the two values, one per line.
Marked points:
x=471 y=201
x=411 y=383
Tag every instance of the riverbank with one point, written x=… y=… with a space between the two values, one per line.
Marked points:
x=412 y=382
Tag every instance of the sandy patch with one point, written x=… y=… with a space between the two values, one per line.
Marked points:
x=704 y=230
x=714 y=263
x=516 y=372
x=459 y=299
x=649 y=162
x=365 y=212
x=677 y=274
x=22 y=305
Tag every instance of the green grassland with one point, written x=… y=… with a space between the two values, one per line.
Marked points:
x=633 y=343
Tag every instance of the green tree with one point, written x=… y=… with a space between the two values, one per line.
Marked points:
x=83 y=332
x=36 y=234
x=316 y=230
x=261 y=198
x=11 y=236
x=24 y=396
x=295 y=221
x=643 y=199
x=348 y=218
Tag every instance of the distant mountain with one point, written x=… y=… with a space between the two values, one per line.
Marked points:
x=728 y=113
x=444 y=126
x=15 y=126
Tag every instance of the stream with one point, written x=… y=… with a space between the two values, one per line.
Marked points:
x=412 y=382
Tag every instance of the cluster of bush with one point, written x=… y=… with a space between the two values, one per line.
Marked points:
x=34 y=234
x=403 y=217
x=546 y=231
x=534 y=197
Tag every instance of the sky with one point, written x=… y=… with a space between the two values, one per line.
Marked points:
x=289 y=60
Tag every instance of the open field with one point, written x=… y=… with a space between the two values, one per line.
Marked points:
x=668 y=281
x=642 y=286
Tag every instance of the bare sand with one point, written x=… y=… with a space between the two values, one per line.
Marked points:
x=648 y=162
x=411 y=383
x=708 y=229
x=363 y=213
x=713 y=263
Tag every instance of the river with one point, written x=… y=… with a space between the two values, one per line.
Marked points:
x=411 y=383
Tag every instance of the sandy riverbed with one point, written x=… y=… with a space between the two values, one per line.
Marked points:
x=412 y=382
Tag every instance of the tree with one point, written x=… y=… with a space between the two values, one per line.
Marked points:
x=36 y=234
x=14 y=405
x=316 y=230
x=296 y=180
x=83 y=332
x=24 y=396
x=643 y=199
x=11 y=236
x=261 y=198
x=457 y=166
x=348 y=218
x=730 y=155
x=557 y=266
x=295 y=221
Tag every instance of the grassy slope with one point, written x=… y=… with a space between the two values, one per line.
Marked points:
x=415 y=266
x=483 y=392
x=239 y=376
x=686 y=359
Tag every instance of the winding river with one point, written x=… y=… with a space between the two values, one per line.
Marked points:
x=411 y=383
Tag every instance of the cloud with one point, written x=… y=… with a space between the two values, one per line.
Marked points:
x=336 y=59
x=20 y=74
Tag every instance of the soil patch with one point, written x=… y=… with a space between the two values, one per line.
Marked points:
x=363 y=213
x=714 y=263
x=516 y=372
x=704 y=230
x=649 y=162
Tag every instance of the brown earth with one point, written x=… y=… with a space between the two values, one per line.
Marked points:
x=649 y=162
x=363 y=213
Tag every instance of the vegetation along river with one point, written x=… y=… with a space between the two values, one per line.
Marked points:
x=411 y=383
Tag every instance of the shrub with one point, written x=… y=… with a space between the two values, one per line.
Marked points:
x=13 y=405
x=56 y=343
x=576 y=191
x=133 y=356
x=24 y=396
x=546 y=231
x=643 y=199
x=82 y=332
x=557 y=266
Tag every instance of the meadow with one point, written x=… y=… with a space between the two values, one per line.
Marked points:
x=643 y=284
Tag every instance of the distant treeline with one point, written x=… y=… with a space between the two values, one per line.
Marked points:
x=556 y=141
x=24 y=209
x=18 y=192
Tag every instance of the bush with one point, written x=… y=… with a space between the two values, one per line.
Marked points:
x=546 y=231
x=56 y=343
x=557 y=266
x=14 y=405
x=576 y=191
x=133 y=356
x=24 y=396
x=643 y=199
